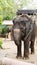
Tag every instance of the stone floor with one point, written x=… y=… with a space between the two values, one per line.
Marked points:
x=10 y=50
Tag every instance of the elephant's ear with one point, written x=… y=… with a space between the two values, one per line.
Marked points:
x=13 y=20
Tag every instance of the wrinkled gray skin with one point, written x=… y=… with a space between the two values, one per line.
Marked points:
x=21 y=28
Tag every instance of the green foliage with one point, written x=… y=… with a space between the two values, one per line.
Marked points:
x=4 y=29
x=1 y=42
x=8 y=8
x=1 y=19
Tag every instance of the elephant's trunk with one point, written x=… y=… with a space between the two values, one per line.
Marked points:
x=16 y=34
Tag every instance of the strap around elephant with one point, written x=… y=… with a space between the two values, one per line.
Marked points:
x=28 y=34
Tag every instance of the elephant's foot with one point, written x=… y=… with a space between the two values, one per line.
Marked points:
x=32 y=52
x=18 y=57
x=25 y=57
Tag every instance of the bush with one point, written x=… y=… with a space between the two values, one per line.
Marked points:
x=1 y=44
x=1 y=18
x=7 y=17
x=4 y=29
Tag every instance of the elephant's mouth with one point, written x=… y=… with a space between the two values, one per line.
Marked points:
x=16 y=30
x=16 y=34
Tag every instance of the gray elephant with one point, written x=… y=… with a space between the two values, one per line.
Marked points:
x=23 y=29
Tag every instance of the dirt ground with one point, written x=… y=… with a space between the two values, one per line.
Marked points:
x=10 y=50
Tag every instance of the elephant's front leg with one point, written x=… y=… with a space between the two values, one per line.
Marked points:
x=32 y=47
x=26 y=49
x=19 y=55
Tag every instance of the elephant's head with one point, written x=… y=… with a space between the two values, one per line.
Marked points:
x=19 y=27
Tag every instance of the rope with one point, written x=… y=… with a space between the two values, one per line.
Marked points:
x=28 y=35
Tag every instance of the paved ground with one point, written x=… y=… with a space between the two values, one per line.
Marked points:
x=9 y=50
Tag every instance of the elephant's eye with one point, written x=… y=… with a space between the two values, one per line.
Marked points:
x=21 y=21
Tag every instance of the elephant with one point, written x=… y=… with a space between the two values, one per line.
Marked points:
x=23 y=30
